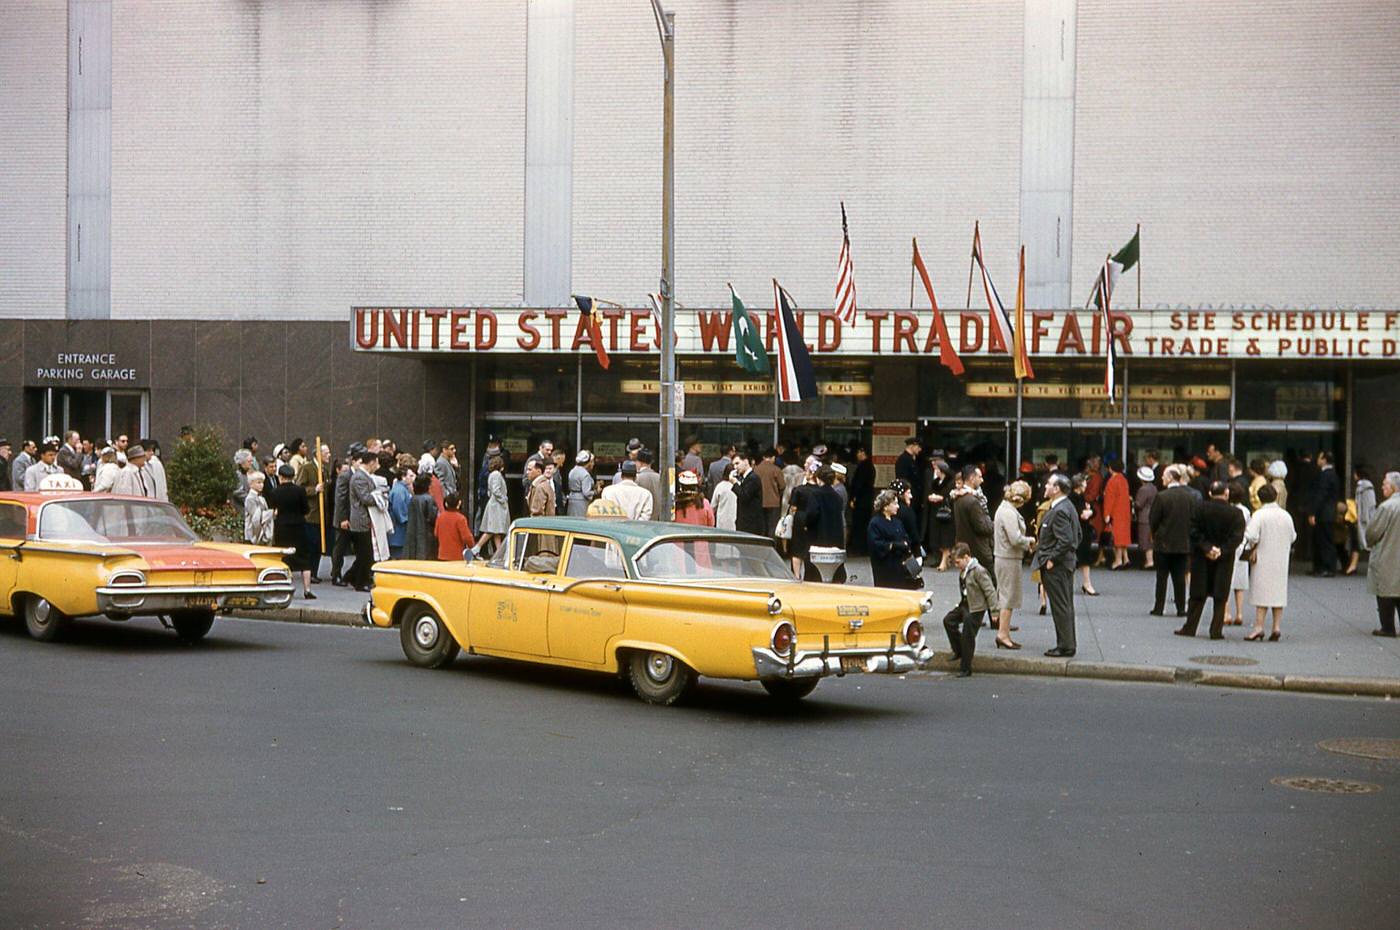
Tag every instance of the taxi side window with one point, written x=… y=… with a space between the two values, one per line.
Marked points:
x=536 y=553
x=14 y=521
x=594 y=558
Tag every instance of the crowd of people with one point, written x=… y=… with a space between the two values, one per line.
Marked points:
x=118 y=467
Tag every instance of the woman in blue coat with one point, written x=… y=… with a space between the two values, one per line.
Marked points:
x=889 y=545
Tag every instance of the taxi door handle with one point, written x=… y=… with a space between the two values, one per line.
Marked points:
x=608 y=586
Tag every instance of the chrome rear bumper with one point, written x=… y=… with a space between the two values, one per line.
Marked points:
x=128 y=600
x=896 y=660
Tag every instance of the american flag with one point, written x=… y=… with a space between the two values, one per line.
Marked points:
x=845 y=276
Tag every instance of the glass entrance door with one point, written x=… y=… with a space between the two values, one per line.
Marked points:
x=128 y=414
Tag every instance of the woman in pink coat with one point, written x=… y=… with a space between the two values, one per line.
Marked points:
x=1118 y=514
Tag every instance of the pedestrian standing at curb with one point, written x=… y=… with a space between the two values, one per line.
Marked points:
x=1270 y=533
x=495 y=513
x=581 y=488
x=1170 y=523
x=108 y=469
x=888 y=543
x=360 y=525
x=420 y=530
x=722 y=499
x=976 y=596
x=399 y=496
x=257 y=518
x=1055 y=556
x=1383 y=570
x=1142 y=502
x=1239 y=578
x=340 y=515
x=1217 y=529
x=289 y=502
x=691 y=506
x=1010 y=545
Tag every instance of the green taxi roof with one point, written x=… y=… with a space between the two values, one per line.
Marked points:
x=631 y=535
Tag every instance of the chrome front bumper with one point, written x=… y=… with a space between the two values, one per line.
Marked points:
x=128 y=600
x=896 y=660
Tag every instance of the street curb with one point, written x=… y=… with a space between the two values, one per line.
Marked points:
x=1232 y=679
x=1025 y=665
x=321 y=615
x=1167 y=674
x=1370 y=687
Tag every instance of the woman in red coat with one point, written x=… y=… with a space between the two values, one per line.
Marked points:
x=1118 y=514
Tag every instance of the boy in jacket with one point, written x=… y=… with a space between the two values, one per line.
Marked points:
x=977 y=595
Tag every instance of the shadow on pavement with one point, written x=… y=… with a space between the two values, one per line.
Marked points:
x=111 y=636
x=746 y=700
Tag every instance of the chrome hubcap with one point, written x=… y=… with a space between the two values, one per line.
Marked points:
x=425 y=632
x=659 y=666
x=42 y=610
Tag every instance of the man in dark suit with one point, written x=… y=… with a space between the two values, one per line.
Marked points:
x=906 y=469
x=1055 y=558
x=361 y=499
x=1170 y=519
x=748 y=497
x=1322 y=517
x=340 y=517
x=972 y=524
x=1217 y=529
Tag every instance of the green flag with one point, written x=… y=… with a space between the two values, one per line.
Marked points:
x=1127 y=256
x=748 y=344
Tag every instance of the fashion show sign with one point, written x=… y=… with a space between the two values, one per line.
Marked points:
x=1239 y=334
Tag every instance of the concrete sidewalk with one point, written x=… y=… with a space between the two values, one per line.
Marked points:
x=1326 y=646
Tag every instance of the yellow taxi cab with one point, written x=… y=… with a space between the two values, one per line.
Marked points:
x=659 y=603
x=72 y=554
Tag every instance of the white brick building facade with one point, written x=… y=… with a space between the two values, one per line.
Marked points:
x=287 y=160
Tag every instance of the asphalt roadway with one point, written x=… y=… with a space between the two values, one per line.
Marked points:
x=285 y=775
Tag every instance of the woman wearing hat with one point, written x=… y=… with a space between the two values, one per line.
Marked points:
x=1146 y=494
x=581 y=487
x=889 y=544
x=1010 y=545
x=691 y=506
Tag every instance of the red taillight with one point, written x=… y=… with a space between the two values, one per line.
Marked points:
x=913 y=632
x=783 y=635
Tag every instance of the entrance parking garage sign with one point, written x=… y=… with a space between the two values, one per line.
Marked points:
x=1214 y=333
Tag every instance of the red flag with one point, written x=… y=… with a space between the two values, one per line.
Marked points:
x=946 y=353
x=594 y=321
x=1021 y=347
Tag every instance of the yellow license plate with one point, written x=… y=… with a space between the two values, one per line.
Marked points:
x=241 y=600
x=852 y=663
x=201 y=602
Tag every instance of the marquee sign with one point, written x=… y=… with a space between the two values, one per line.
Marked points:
x=1155 y=334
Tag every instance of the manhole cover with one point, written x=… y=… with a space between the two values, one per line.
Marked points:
x=1365 y=748
x=1327 y=785
x=1224 y=660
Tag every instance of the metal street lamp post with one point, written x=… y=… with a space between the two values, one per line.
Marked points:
x=666 y=29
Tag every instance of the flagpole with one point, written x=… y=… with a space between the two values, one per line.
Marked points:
x=911 y=285
x=666 y=31
x=1138 y=236
x=971 y=262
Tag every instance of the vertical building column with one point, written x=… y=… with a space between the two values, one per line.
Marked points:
x=89 y=159
x=1047 y=150
x=549 y=152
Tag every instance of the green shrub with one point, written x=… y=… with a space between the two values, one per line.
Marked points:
x=199 y=473
x=224 y=524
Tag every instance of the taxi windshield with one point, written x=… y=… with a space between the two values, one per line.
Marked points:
x=114 y=521
x=697 y=559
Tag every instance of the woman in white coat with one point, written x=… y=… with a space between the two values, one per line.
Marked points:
x=1239 y=580
x=1009 y=546
x=1270 y=531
